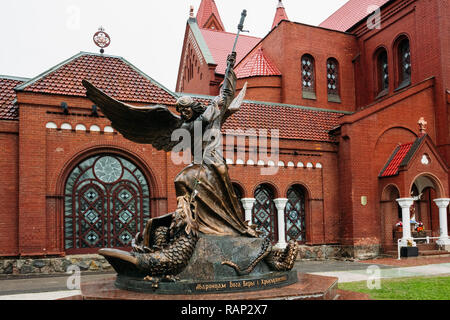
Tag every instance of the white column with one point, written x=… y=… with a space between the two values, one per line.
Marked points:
x=405 y=204
x=443 y=236
x=281 y=205
x=248 y=203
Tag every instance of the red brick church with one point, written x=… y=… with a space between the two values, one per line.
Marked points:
x=362 y=108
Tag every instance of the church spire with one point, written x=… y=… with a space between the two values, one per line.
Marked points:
x=280 y=14
x=208 y=16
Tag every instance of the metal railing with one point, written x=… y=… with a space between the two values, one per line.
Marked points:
x=427 y=238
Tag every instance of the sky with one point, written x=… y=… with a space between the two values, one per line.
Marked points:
x=36 y=35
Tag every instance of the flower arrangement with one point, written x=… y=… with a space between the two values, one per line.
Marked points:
x=419 y=226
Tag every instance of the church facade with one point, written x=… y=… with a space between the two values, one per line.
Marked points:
x=343 y=134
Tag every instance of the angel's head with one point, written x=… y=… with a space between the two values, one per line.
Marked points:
x=189 y=109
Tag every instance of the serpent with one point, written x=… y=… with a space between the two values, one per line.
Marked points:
x=277 y=260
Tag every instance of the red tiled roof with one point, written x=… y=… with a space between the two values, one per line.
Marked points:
x=256 y=64
x=279 y=15
x=8 y=110
x=350 y=14
x=114 y=75
x=221 y=43
x=293 y=122
x=391 y=168
x=124 y=82
x=206 y=9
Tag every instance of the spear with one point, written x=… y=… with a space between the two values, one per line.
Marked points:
x=224 y=109
x=233 y=51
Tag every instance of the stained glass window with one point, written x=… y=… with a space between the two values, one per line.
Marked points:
x=308 y=77
x=404 y=62
x=383 y=71
x=264 y=212
x=295 y=217
x=333 y=78
x=106 y=204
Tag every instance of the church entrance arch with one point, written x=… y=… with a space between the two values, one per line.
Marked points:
x=424 y=190
x=106 y=202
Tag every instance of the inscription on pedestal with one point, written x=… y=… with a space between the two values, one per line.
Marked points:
x=274 y=280
x=257 y=284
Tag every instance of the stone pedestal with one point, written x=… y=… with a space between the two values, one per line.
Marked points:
x=206 y=273
x=308 y=287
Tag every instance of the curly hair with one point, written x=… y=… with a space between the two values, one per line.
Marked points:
x=188 y=102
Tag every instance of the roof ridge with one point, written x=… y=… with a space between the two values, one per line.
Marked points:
x=297 y=107
x=83 y=53
x=47 y=72
x=100 y=54
x=15 y=78
x=201 y=42
x=148 y=77
x=413 y=149
x=201 y=96
x=232 y=33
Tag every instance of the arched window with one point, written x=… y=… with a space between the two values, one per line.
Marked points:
x=333 y=80
x=403 y=62
x=264 y=212
x=382 y=72
x=308 y=77
x=295 y=214
x=106 y=203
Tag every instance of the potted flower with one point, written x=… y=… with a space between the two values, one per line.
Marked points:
x=399 y=226
x=419 y=226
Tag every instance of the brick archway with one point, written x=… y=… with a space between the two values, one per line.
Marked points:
x=427 y=188
x=390 y=214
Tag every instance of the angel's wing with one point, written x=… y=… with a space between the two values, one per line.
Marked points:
x=237 y=102
x=150 y=125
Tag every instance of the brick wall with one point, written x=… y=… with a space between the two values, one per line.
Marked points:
x=34 y=224
x=9 y=187
x=370 y=138
x=286 y=45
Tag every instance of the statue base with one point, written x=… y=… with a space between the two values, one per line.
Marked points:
x=308 y=287
x=205 y=273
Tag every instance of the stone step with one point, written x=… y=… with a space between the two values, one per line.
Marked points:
x=427 y=246
x=422 y=253
x=433 y=252
x=421 y=246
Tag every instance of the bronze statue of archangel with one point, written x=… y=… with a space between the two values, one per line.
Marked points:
x=207 y=203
